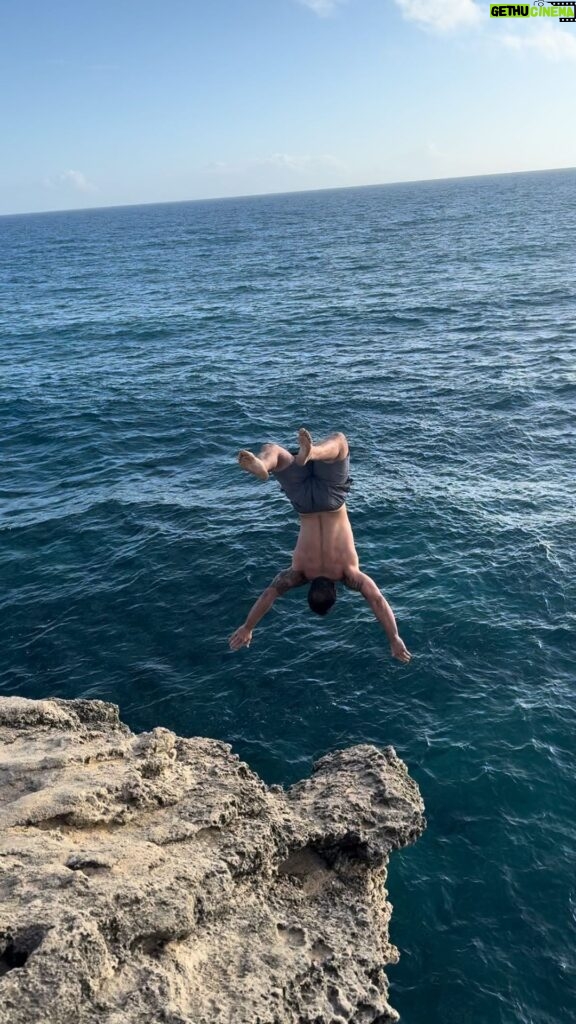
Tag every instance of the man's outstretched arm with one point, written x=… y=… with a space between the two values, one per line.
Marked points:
x=281 y=583
x=356 y=580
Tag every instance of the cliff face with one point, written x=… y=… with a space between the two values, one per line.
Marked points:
x=149 y=878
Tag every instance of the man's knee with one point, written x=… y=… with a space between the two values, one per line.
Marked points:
x=275 y=457
x=343 y=447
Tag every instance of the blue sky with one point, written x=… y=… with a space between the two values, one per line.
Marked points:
x=137 y=101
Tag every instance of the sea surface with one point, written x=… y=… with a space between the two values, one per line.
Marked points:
x=434 y=323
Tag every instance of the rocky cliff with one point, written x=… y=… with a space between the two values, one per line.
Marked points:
x=149 y=878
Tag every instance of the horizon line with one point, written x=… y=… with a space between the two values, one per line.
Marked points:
x=291 y=192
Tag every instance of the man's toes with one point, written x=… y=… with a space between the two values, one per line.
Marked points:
x=246 y=458
x=305 y=441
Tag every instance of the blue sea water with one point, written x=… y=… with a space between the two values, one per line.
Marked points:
x=435 y=323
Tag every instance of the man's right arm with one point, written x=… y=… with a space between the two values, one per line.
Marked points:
x=281 y=584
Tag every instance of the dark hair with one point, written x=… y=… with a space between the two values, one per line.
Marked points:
x=322 y=595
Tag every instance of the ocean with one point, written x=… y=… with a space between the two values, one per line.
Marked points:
x=434 y=323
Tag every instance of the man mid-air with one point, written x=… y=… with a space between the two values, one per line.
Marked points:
x=316 y=480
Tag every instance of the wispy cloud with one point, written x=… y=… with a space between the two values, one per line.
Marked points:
x=437 y=15
x=78 y=181
x=554 y=43
x=71 y=179
x=279 y=161
x=322 y=7
x=287 y=161
x=441 y=15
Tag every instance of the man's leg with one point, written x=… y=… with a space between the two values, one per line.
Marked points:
x=272 y=457
x=333 y=449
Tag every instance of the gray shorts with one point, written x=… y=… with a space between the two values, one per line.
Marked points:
x=317 y=486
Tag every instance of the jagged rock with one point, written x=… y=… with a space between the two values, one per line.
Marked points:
x=150 y=878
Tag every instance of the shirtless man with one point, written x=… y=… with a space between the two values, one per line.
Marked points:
x=316 y=480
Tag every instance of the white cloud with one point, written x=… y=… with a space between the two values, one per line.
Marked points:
x=77 y=180
x=322 y=7
x=278 y=161
x=438 y=15
x=555 y=43
x=432 y=149
x=441 y=15
x=300 y=163
x=70 y=179
x=444 y=16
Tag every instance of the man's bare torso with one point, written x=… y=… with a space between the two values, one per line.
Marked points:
x=325 y=545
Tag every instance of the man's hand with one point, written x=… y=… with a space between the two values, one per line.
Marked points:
x=398 y=648
x=283 y=582
x=356 y=580
x=241 y=638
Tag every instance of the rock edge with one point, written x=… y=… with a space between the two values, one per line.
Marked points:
x=151 y=878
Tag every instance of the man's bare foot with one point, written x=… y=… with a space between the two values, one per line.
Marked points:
x=252 y=464
x=305 y=451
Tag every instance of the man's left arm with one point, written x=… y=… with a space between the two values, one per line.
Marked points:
x=365 y=585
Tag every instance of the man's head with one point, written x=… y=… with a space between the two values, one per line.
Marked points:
x=322 y=595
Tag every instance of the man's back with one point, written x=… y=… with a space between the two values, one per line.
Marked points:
x=325 y=545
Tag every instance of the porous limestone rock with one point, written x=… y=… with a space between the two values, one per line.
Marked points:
x=149 y=878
